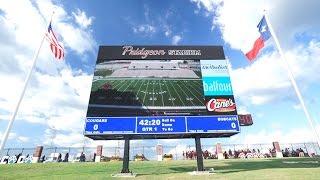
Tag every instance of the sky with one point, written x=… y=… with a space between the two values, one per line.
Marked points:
x=54 y=107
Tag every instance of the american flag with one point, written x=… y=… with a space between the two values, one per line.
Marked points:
x=56 y=48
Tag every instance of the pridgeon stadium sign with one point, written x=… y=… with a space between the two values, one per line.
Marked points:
x=144 y=53
x=161 y=92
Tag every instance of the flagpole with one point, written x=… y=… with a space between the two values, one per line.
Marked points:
x=26 y=82
x=293 y=82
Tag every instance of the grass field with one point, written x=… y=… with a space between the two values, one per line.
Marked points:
x=149 y=92
x=286 y=168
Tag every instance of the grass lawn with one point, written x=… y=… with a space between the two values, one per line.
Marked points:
x=286 y=168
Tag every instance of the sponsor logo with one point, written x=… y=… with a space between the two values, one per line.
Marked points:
x=216 y=68
x=221 y=105
x=217 y=86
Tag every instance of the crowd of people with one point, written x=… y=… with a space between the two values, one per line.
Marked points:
x=187 y=155
x=61 y=158
x=193 y=154
x=296 y=153
x=247 y=153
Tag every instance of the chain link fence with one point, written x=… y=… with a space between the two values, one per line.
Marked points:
x=179 y=152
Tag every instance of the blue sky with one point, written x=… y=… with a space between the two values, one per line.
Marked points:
x=58 y=94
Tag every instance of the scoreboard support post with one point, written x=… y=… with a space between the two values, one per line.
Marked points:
x=125 y=165
x=199 y=154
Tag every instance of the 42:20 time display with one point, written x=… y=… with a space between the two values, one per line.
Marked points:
x=151 y=122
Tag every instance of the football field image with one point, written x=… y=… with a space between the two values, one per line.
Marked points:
x=150 y=92
x=152 y=95
x=286 y=168
x=125 y=88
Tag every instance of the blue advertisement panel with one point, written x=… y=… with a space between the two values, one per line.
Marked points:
x=217 y=86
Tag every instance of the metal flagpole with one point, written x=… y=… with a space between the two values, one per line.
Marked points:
x=26 y=82
x=293 y=82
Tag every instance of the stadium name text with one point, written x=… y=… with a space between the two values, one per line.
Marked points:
x=144 y=53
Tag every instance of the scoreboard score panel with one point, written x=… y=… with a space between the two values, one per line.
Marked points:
x=162 y=124
x=169 y=95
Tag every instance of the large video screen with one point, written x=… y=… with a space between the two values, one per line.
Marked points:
x=162 y=96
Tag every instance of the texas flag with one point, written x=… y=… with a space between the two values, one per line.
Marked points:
x=259 y=43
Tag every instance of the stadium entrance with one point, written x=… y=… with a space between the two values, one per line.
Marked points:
x=161 y=92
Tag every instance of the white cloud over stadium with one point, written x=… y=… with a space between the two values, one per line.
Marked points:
x=57 y=95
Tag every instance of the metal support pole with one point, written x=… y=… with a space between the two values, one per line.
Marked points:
x=125 y=165
x=199 y=154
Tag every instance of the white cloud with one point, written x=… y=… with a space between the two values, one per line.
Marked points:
x=176 y=39
x=242 y=109
x=297 y=107
x=145 y=29
x=12 y=135
x=16 y=137
x=167 y=32
x=208 y=4
x=267 y=79
x=277 y=134
x=57 y=94
x=23 y=139
x=237 y=20
x=82 y=19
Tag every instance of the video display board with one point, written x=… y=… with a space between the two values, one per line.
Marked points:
x=161 y=92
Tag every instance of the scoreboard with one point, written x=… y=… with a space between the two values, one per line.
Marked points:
x=148 y=92
x=162 y=124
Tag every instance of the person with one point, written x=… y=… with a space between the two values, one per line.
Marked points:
x=230 y=153
x=82 y=157
x=66 y=157
x=225 y=155
x=43 y=158
x=301 y=153
x=94 y=157
x=206 y=154
x=18 y=156
x=286 y=152
x=293 y=153
x=59 y=158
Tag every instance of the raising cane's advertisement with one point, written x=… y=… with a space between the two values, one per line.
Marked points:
x=219 y=105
